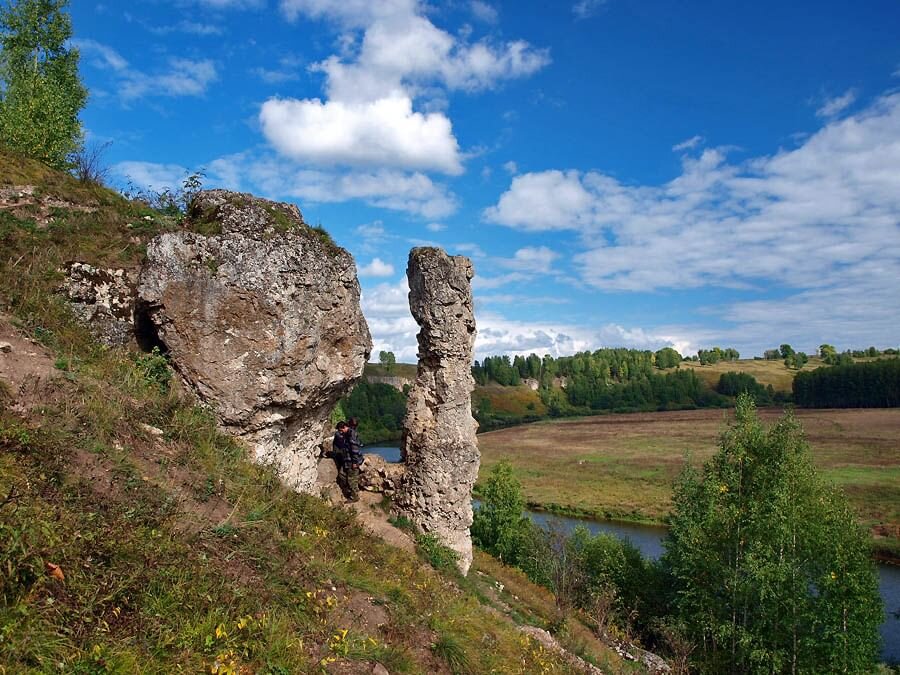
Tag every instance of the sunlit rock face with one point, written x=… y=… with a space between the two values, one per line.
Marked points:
x=439 y=444
x=260 y=315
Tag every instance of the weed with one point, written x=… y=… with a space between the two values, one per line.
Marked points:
x=438 y=556
x=450 y=649
x=155 y=369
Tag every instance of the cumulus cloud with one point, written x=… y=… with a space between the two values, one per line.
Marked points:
x=435 y=227
x=413 y=193
x=377 y=268
x=180 y=77
x=819 y=221
x=385 y=132
x=386 y=308
x=370 y=117
x=835 y=106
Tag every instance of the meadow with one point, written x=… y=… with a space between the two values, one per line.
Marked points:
x=766 y=372
x=623 y=466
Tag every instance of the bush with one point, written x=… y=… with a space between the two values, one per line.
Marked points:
x=499 y=526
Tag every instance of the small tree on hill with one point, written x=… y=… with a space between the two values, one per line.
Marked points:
x=388 y=360
x=499 y=524
x=40 y=91
x=769 y=570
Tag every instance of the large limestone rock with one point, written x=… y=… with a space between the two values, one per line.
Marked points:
x=439 y=445
x=261 y=316
x=103 y=300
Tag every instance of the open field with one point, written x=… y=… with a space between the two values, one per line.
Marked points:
x=766 y=372
x=623 y=466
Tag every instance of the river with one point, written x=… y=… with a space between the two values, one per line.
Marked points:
x=649 y=541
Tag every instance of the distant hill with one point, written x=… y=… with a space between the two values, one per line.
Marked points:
x=766 y=372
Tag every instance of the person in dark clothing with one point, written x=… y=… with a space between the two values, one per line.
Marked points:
x=354 y=460
x=340 y=452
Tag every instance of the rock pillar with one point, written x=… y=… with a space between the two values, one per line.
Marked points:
x=439 y=445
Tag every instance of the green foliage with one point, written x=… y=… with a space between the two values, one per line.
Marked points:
x=388 y=360
x=768 y=569
x=734 y=384
x=438 y=556
x=155 y=369
x=499 y=525
x=40 y=91
x=619 y=380
x=451 y=649
x=716 y=354
x=796 y=360
x=856 y=385
x=667 y=358
x=380 y=409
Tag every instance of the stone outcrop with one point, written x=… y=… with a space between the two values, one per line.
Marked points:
x=103 y=300
x=260 y=314
x=439 y=445
x=381 y=476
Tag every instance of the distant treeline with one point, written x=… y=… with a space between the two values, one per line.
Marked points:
x=619 y=380
x=875 y=384
x=380 y=409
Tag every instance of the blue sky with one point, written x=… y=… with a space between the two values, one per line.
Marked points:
x=621 y=172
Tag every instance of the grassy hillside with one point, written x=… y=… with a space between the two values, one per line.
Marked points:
x=136 y=538
x=766 y=372
x=623 y=466
x=406 y=370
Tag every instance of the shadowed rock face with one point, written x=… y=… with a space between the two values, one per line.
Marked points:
x=261 y=318
x=439 y=444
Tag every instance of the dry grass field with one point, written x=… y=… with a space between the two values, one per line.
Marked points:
x=623 y=466
x=766 y=372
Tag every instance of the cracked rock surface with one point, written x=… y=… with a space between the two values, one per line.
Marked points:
x=439 y=445
x=261 y=317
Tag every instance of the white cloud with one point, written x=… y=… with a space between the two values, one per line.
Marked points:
x=584 y=9
x=149 y=175
x=483 y=11
x=435 y=227
x=835 y=106
x=370 y=116
x=511 y=168
x=180 y=77
x=398 y=191
x=533 y=259
x=688 y=144
x=377 y=268
x=819 y=221
x=386 y=132
x=548 y=200
x=386 y=308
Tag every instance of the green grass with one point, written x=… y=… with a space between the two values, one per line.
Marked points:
x=124 y=552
